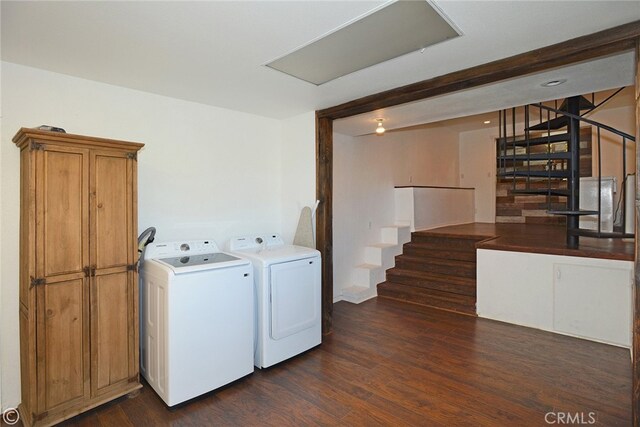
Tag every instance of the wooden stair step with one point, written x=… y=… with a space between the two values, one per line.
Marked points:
x=435 y=251
x=437 y=265
x=435 y=281
x=553 y=124
x=533 y=182
x=428 y=297
x=534 y=141
x=538 y=173
x=552 y=219
x=557 y=155
x=445 y=241
x=533 y=205
x=427 y=276
x=538 y=184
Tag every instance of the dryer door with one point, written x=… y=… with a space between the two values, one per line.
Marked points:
x=295 y=296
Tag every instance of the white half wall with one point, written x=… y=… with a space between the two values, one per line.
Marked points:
x=584 y=297
x=204 y=172
x=365 y=171
x=431 y=207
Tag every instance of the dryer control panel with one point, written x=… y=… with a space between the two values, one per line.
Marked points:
x=258 y=241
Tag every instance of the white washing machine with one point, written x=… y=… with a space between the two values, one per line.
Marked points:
x=288 y=296
x=196 y=318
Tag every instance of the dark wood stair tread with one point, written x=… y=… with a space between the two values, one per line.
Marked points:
x=454 y=263
x=430 y=233
x=537 y=156
x=538 y=173
x=541 y=140
x=428 y=297
x=573 y=213
x=553 y=124
x=451 y=268
x=447 y=241
x=531 y=181
x=542 y=192
x=436 y=251
x=427 y=276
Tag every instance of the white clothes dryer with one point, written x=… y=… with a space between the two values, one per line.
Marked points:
x=288 y=296
x=196 y=318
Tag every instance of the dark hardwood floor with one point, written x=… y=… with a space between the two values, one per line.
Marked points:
x=393 y=363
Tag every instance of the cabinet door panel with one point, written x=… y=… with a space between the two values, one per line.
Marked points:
x=110 y=326
x=112 y=207
x=62 y=343
x=64 y=210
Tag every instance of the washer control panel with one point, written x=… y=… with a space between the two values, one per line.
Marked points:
x=174 y=249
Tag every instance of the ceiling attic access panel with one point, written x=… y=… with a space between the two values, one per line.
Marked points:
x=388 y=32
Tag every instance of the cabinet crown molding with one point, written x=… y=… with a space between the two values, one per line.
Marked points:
x=25 y=136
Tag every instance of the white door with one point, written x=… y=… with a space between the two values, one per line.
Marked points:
x=295 y=296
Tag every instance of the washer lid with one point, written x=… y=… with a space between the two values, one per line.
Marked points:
x=201 y=262
x=186 y=261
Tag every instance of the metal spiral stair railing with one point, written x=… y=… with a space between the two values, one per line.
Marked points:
x=517 y=161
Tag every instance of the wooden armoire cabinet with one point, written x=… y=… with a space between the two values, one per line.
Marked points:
x=78 y=278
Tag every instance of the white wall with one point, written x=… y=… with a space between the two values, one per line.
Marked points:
x=478 y=170
x=298 y=170
x=421 y=157
x=204 y=172
x=622 y=118
x=349 y=178
x=365 y=171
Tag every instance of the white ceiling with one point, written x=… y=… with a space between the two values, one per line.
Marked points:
x=624 y=98
x=213 y=52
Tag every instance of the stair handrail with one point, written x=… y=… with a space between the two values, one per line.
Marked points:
x=591 y=122
x=596 y=106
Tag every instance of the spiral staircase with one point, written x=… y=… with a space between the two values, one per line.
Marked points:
x=544 y=159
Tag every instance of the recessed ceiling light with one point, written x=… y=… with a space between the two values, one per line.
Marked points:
x=552 y=83
x=486 y=122
x=380 y=129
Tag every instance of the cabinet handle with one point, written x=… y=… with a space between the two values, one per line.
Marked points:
x=86 y=271
x=93 y=271
x=38 y=281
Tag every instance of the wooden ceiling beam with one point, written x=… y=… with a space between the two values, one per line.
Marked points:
x=603 y=43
